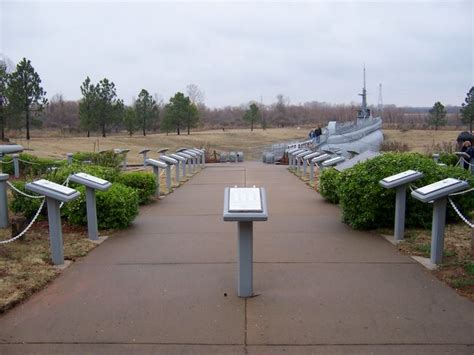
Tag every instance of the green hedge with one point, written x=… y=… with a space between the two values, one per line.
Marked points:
x=366 y=205
x=116 y=207
x=448 y=158
x=328 y=184
x=143 y=182
x=34 y=165
x=107 y=159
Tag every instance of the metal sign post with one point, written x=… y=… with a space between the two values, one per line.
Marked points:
x=299 y=158
x=317 y=160
x=16 y=165
x=438 y=192
x=193 y=160
x=91 y=183
x=144 y=152
x=332 y=162
x=309 y=159
x=187 y=158
x=181 y=161
x=157 y=165
x=69 y=158
x=3 y=201
x=55 y=194
x=245 y=205
x=169 y=162
x=400 y=182
x=289 y=153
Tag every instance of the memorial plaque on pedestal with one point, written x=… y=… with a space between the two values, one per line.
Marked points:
x=245 y=199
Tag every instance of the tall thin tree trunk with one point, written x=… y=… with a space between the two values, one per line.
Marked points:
x=144 y=129
x=88 y=133
x=27 y=124
x=188 y=129
x=178 y=130
x=251 y=126
x=103 y=130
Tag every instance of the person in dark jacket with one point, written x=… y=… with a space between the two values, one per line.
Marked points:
x=468 y=149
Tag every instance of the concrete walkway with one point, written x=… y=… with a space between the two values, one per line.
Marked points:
x=167 y=285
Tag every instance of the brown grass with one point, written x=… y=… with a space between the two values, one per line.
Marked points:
x=419 y=140
x=54 y=145
x=251 y=143
x=25 y=265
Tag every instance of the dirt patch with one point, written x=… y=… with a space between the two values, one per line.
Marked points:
x=457 y=269
x=25 y=265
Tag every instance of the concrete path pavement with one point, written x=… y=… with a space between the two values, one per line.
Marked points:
x=167 y=285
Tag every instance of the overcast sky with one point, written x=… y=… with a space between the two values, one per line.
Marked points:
x=421 y=52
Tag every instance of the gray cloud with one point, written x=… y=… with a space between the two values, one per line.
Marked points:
x=236 y=52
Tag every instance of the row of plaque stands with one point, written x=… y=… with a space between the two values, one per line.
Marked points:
x=301 y=159
x=436 y=193
x=184 y=157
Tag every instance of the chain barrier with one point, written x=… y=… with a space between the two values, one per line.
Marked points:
x=28 y=162
x=27 y=227
x=460 y=214
x=65 y=183
x=6 y=162
x=461 y=192
x=466 y=162
x=21 y=192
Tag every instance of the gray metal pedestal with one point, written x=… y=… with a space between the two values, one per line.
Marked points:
x=55 y=231
x=437 y=230
x=400 y=205
x=245 y=249
x=4 y=221
x=91 y=214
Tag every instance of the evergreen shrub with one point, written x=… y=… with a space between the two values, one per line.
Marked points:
x=328 y=184
x=116 y=207
x=107 y=159
x=143 y=182
x=366 y=205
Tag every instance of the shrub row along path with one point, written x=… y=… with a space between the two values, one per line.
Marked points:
x=323 y=288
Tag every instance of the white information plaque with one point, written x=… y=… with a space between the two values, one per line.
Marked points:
x=55 y=187
x=92 y=178
x=245 y=199
x=437 y=186
x=399 y=176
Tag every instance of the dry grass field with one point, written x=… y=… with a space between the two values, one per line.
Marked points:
x=420 y=140
x=54 y=145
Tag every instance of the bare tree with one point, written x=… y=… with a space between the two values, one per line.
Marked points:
x=195 y=94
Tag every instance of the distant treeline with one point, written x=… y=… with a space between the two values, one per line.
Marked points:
x=64 y=115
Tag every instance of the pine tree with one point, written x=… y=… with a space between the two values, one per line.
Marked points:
x=25 y=92
x=437 y=116
x=467 y=110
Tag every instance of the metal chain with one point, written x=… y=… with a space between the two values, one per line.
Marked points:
x=460 y=214
x=21 y=192
x=461 y=192
x=28 y=162
x=27 y=227
x=6 y=162
x=466 y=162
